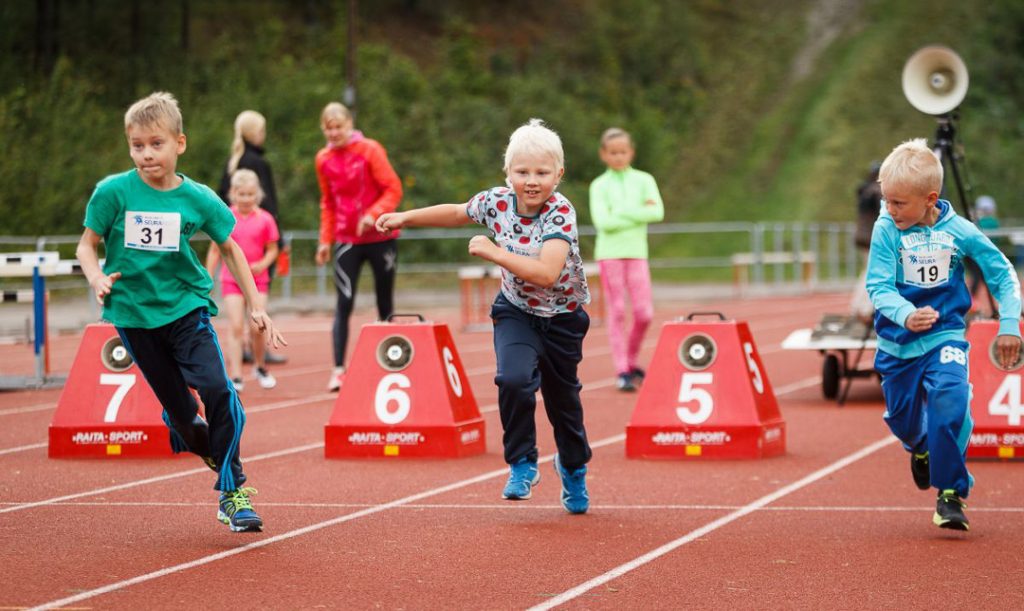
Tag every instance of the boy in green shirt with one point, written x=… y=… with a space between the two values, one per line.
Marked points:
x=157 y=294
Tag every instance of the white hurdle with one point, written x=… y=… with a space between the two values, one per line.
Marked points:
x=36 y=265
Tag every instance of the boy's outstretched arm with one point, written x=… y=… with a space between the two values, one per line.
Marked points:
x=543 y=271
x=440 y=215
x=234 y=258
x=101 y=283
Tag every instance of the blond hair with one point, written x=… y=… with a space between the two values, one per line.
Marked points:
x=156 y=109
x=615 y=132
x=535 y=138
x=335 y=110
x=912 y=164
x=247 y=124
x=243 y=177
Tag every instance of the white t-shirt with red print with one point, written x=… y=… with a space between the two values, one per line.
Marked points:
x=525 y=235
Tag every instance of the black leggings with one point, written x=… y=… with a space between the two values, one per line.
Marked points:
x=348 y=261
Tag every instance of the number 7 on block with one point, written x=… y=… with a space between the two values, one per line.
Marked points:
x=124 y=383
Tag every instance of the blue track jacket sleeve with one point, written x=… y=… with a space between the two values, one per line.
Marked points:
x=1001 y=279
x=881 y=276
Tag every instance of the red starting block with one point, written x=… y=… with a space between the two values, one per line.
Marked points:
x=996 y=397
x=106 y=407
x=405 y=394
x=706 y=395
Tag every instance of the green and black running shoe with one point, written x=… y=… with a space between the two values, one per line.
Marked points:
x=949 y=511
x=919 y=469
x=236 y=511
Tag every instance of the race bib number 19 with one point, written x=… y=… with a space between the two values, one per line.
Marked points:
x=926 y=269
x=158 y=231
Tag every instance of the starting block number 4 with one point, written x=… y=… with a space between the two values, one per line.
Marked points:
x=391 y=389
x=690 y=392
x=1006 y=400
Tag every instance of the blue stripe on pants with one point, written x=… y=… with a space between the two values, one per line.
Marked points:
x=184 y=354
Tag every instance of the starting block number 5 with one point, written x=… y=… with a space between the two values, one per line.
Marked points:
x=124 y=383
x=391 y=390
x=1006 y=400
x=689 y=390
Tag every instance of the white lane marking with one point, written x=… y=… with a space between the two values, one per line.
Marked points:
x=204 y=505
x=33 y=446
x=795 y=386
x=120 y=585
x=40 y=407
x=153 y=480
x=712 y=526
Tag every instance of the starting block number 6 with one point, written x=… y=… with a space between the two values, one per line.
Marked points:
x=1006 y=400
x=390 y=390
x=689 y=391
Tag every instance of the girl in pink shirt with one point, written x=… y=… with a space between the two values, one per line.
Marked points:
x=256 y=233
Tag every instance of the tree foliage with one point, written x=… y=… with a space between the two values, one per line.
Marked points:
x=710 y=89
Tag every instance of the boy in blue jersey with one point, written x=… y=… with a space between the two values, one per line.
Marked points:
x=157 y=294
x=916 y=282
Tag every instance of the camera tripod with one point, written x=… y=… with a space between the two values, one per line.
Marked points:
x=945 y=148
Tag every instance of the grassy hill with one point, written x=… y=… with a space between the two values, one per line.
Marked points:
x=743 y=109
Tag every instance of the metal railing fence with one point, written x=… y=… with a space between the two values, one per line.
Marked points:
x=680 y=252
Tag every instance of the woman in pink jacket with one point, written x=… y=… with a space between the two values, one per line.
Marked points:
x=357 y=184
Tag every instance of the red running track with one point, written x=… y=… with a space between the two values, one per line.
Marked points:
x=835 y=523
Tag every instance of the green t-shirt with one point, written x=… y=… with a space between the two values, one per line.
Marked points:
x=146 y=234
x=620 y=212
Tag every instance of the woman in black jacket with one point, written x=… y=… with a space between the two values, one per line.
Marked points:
x=247 y=153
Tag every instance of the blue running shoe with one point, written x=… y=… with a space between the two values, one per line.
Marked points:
x=236 y=511
x=522 y=477
x=574 y=488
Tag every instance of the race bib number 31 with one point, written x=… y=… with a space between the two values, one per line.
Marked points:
x=158 y=231
x=926 y=269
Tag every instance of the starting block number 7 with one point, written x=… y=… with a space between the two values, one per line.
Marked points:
x=689 y=391
x=1006 y=400
x=124 y=383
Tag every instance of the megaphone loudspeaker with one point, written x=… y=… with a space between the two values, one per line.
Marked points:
x=114 y=355
x=993 y=353
x=935 y=80
x=697 y=352
x=394 y=353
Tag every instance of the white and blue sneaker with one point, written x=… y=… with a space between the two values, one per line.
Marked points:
x=574 y=488
x=522 y=477
x=235 y=509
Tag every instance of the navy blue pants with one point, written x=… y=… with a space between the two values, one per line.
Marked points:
x=185 y=354
x=927 y=407
x=348 y=261
x=535 y=352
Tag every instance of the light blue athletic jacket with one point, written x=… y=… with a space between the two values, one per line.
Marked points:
x=896 y=294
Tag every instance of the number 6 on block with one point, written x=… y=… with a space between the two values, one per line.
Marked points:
x=390 y=390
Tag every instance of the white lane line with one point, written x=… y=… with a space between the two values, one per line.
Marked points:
x=34 y=446
x=795 y=386
x=27 y=409
x=153 y=480
x=654 y=554
x=120 y=585
x=204 y=505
